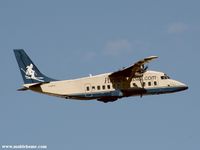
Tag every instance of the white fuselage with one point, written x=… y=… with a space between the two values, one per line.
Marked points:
x=103 y=88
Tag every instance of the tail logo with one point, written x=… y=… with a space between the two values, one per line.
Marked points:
x=31 y=74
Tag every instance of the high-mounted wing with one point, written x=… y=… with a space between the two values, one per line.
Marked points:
x=132 y=71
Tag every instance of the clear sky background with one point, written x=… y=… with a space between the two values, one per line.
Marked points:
x=71 y=39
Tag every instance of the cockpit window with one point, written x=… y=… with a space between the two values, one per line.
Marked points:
x=165 y=77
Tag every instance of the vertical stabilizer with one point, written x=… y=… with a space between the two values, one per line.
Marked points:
x=30 y=73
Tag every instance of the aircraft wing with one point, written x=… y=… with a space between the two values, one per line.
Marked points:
x=134 y=69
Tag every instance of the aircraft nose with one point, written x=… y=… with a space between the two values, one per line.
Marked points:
x=179 y=85
x=182 y=85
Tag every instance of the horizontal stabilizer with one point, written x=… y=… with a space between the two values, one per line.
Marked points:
x=28 y=86
x=22 y=89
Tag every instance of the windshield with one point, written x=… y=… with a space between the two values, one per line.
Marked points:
x=165 y=77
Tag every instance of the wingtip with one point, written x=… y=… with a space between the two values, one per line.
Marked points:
x=153 y=57
x=150 y=58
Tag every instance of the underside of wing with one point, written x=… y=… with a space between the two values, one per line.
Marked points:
x=134 y=70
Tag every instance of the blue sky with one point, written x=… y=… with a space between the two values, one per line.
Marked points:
x=71 y=39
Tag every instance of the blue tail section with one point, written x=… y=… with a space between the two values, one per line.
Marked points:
x=30 y=73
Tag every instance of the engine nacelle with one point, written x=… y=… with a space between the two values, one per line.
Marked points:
x=137 y=74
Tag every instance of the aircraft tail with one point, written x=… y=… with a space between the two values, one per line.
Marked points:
x=30 y=73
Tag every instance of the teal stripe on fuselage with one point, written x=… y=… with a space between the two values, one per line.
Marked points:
x=126 y=93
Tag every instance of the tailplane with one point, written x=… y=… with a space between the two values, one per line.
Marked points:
x=30 y=73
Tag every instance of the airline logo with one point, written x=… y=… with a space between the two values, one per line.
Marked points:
x=31 y=74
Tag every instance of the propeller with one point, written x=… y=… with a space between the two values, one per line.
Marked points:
x=144 y=68
x=139 y=74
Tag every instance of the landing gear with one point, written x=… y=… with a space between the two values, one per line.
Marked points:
x=106 y=100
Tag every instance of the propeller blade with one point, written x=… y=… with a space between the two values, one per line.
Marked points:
x=145 y=69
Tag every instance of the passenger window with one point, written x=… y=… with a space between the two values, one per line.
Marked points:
x=87 y=88
x=155 y=83
x=108 y=86
x=149 y=83
x=103 y=87
x=98 y=87
x=93 y=87
x=134 y=84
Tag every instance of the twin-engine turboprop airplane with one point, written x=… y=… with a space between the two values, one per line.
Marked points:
x=135 y=80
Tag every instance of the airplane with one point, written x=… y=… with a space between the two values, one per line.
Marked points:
x=135 y=80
